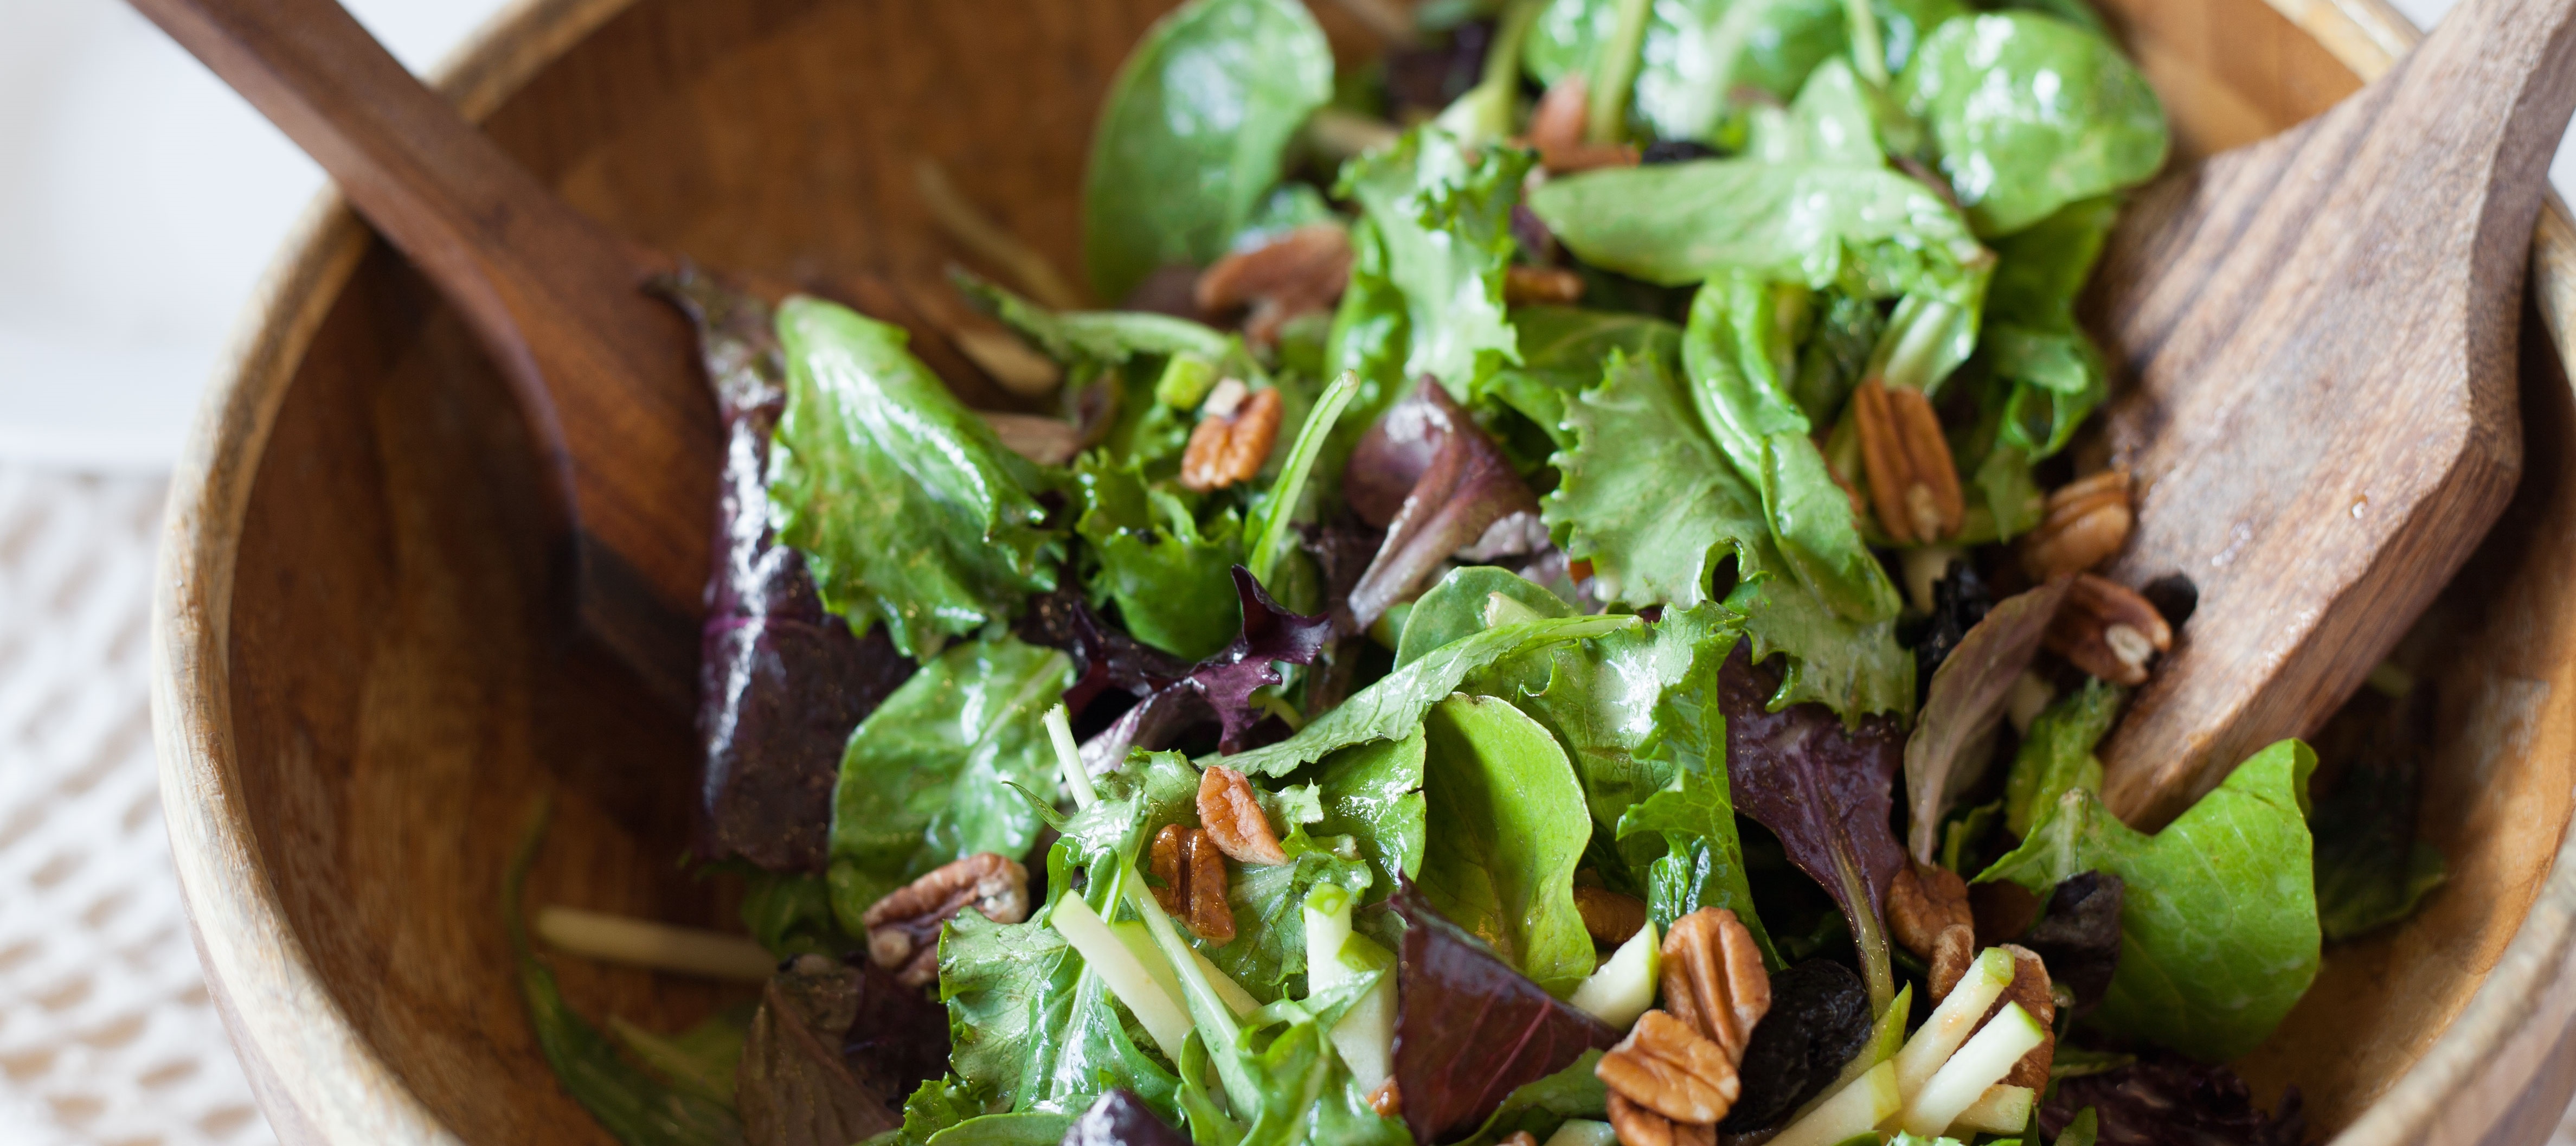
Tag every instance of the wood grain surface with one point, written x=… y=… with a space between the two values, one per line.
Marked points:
x=359 y=687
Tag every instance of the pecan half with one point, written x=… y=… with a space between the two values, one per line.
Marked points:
x=1297 y=273
x=1231 y=440
x=1191 y=874
x=2086 y=521
x=1234 y=819
x=903 y=928
x=2108 y=630
x=1525 y=284
x=1713 y=978
x=1387 y=1100
x=1666 y=1067
x=1928 y=914
x=1913 y=482
x=1519 y=1138
x=2030 y=988
x=1556 y=131
x=1609 y=917
x=1638 y=1126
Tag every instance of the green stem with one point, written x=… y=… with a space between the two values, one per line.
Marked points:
x=1271 y=526
x=1068 y=756
x=1215 y=1021
x=1913 y=351
x=1868 y=933
x=1614 y=72
x=1868 y=54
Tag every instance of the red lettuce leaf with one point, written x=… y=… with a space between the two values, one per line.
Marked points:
x=1952 y=736
x=2167 y=1100
x=898 y=1035
x=1218 y=690
x=1105 y=658
x=781 y=682
x=1826 y=790
x=793 y=1087
x=1469 y=1029
x=1122 y=1119
x=1459 y=489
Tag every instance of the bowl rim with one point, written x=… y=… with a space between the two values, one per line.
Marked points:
x=319 y=1081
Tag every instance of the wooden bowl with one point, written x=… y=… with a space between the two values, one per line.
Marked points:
x=360 y=687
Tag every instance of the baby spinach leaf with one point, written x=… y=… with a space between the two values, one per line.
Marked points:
x=1507 y=829
x=1694 y=812
x=1456 y=607
x=2056 y=754
x=1470 y=1031
x=1032 y=1027
x=1562 y=349
x=1825 y=790
x=907 y=508
x=1393 y=707
x=1836 y=119
x=2031 y=113
x=1444 y=225
x=1697 y=53
x=1169 y=578
x=1949 y=748
x=1657 y=508
x=926 y=777
x=1189 y=140
x=2218 y=913
x=1373 y=793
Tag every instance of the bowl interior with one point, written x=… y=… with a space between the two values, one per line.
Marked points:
x=400 y=692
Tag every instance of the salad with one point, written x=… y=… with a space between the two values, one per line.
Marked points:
x=1554 y=602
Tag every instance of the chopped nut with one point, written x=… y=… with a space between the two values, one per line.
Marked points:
x=1191 y=872
x=1556 y=131
x=1298 y=273
x=2030 y=988
x=1928 y=914
x=1234 y=818
x=2086 y=521
x=1522 y=285
x=1913 y=482
x=1229 y=447
x=1638 y=1126
x=903 y=928
x=1713 y=978
x=2108 y=630
x=1609 y=917
x=1387 y=1100
x=1666 y=1067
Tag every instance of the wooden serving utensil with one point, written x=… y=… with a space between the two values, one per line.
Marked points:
x=2318 y=336
x=609 y=376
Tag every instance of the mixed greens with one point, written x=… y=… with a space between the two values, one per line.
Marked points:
x=1557 y=604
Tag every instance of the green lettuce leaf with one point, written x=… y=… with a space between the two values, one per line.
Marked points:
x=1372 y=793
x=1836 y=119
x=907 y=508
x=1189 y=140
x=1507 y=829
x=2031 y=113
x=1562 y=349
x=1443 y=222
x=1032 y=1028
x=926 y=778
x=2218 y=916
x=2056 y=753
x=2032 y=340
x=1540 y=1107
x=1456 y=607
x=1171 y=580
x=1694 y=811
x=1268 y=954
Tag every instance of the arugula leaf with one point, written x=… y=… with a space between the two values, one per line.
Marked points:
x=1443 y=223
x=926 y=777
x=2031 y=113
x=1655 y=505
x=1825 y=790
x=1507 y=830
x=1470 y=1032
x=1393 y=707
x=1032 y=1027
x=1562 y=349
x=1950 y=746
x=906 y=507
x=2056 y=754
x=2219 y=911
x=1170 y=579
x=1190 y=137
x=1373 y=793
x=1694 y=811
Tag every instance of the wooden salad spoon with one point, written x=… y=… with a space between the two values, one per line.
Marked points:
x=2316 y=337
x=608 y=375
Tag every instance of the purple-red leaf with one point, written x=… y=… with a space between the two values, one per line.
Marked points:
x=1122 y=1119
x=1947 y=751
x=1219 y=689
x=1826 y=790
x=1469 y=1029
x=898 y=1036
x=793 y=1087
x=2163 y=1099
x=781 y=682
x=1457 y=488
x=1104 y=656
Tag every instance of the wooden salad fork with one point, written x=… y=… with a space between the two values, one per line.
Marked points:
x=2316 y=343
x=608 y=376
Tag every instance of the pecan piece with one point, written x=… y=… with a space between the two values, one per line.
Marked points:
x=1297 y=273
x=1638 y=1126
x=1713 y=978
x=903 y=928
x=2086 y=521
x=2107 y=629
x=1928 y=914
x=1519 y=1138
x=1525 y=284
x=1191 y=874
x=1666 y=1067
x=1609 y=917
x=1556 y=131
x=2031 y=989
x=1232 y=439
x=1387 y=1100
x=1234 y=819
x=1913 y=482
